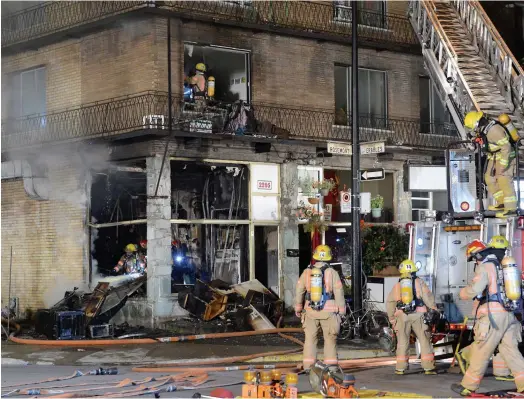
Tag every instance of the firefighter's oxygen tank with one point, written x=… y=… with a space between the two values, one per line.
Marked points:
x=316 y=285
x=211 y=87
x=406 y=289
x=506 y=121
x=512 y=278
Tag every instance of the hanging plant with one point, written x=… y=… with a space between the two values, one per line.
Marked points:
x=325 y=186
x=306 y=186
x=314 y=218
x=377 y=202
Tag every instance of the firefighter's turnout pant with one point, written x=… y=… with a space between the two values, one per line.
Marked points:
x=499 y=181
x=330 y=324
x=506 y=336
x=500 y=368
x=404 y=323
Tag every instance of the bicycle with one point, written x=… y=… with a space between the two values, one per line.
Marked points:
x=368 y=320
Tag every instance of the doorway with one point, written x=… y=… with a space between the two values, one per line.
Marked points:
x=266 y=256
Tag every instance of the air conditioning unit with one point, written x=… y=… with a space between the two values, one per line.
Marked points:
x=153 y=122
x=201 y=126
x=463 y=180
x=343 y=13
x=240 y=3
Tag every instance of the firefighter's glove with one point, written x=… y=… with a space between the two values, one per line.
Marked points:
x=298 y=314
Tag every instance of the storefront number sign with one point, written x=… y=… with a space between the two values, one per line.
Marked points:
x=264 y=184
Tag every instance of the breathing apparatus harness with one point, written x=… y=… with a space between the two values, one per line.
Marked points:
x=416 y=302
x=326 y=296
x=500 y=296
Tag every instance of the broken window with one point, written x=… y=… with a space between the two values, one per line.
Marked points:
x=228 y=67
x=118 y=215
x=210 y=217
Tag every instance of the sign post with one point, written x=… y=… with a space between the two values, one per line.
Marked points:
x=356 y=277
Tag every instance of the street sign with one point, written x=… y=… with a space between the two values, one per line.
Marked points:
x=372 y=174
x=374 y=147
x=338 y=148
x=345 y=202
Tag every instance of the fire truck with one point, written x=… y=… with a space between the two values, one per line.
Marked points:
x=438 y=245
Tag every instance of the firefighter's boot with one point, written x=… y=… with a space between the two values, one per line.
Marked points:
x=461 y=390
x=430 y=372
x=508 y=377
x=399 y=372
x=499 y=207
x=506 y=213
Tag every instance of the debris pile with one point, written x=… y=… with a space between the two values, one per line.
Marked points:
x=80 y=315
x=247 y=305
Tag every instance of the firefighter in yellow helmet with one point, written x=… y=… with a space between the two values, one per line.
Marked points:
x=198 y=83
x=324 y=304
x=496 y=325
x=406 y=305
x=131 y=262
x=497 y=142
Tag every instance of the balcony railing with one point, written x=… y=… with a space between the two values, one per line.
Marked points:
x=322 y=20
x=147 y=113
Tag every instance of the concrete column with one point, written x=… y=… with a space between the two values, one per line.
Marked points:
x=289 y=230
x=402 y=199
x=159 y=238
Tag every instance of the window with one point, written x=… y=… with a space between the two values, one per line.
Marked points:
x=371 y=13
x=434 y=116
x=372 y=97
x=229 y=67
x=421 y=201
x=27 y=94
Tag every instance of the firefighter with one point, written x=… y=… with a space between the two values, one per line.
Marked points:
x=324 y=305
x=198 y=83
x=498 y=244
x=130 y=262
x=499 y=145
x=406 y=305
x=496 y=325
x=142 y=251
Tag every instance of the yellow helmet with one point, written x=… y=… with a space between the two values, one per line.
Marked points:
x=131 y=248
x=322 y=253
x=200 y=67
x=472 y=119
x=498 y=242
x=407 y=266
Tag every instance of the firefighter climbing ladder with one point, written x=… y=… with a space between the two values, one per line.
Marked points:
x=470 y=64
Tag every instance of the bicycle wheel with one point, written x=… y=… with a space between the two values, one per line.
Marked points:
x=374 y=324
x=346 y=329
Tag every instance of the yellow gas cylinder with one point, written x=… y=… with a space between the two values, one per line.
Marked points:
x=512 y=278
x=506 y=121
x=211 y=87
x=316 y=285
x=406 y=289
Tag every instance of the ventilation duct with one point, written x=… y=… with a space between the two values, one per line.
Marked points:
x=36 y=187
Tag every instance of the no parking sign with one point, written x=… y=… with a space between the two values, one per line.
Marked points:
x=345 y=202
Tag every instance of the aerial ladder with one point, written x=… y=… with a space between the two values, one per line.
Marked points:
x=472 y=69
x=468 y=61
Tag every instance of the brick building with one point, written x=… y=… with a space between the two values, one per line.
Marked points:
x=85 y=109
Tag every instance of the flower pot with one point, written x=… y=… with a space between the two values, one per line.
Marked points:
x=388 y=271
x=313 y=200
x=324 y=192
x=376 y=212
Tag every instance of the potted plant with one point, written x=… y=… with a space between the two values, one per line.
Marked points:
x=383 y=248
x=314 y=218
x=308 y=189
x=377 y=204
x=325 y=186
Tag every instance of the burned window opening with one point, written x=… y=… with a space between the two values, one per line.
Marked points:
x=118 y=198
x=203 y=193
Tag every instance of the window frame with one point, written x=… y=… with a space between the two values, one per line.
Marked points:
x=17 y=101
x=349 y=72
x=347 y=5
x=433 y=98
x=428 y=199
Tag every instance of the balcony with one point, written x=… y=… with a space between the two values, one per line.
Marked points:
x=146 y=113
x=320 y=20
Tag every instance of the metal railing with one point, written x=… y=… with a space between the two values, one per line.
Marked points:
x=54 y=16
x=493 y=48
x=147 y=111
x=303 y=18
x=441 y=60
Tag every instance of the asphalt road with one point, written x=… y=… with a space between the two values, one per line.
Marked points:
x=381 y=378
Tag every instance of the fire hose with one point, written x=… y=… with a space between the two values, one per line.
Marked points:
x=182 y=338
